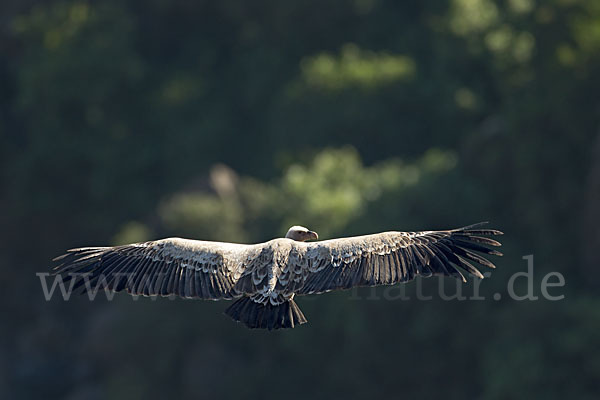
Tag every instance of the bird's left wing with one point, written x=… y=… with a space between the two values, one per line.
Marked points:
x=391 y=257
x=182 y=267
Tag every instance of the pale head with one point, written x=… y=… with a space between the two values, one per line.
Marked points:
x=301 y=234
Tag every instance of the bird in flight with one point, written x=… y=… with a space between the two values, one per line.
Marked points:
x=264 y=278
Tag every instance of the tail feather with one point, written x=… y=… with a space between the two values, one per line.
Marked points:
x=266 y=316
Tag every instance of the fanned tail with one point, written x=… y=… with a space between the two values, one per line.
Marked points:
x=266 y=316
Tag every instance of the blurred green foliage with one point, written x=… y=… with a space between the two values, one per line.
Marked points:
x=230 y=120
x=334 y=191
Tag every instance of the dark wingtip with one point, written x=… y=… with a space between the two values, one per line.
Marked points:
x=58 y=258
x=478 y=224
x=472 y=230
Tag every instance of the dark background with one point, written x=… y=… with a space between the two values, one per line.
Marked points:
x=125 y=121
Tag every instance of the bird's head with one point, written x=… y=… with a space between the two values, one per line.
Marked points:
x=301 y=234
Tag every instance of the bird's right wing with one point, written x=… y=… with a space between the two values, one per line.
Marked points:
x=182 y=267
x=391 y=257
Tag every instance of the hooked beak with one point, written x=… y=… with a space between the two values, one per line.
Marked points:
x=312 y=235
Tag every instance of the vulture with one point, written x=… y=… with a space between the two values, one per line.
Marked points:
x=264 y=278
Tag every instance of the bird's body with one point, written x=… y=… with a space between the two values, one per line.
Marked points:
x=265 y=277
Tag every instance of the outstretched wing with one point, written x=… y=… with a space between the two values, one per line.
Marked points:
x=182 y=267
x=391 y=257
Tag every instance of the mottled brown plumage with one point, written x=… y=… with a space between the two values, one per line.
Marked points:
x=266 y=276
